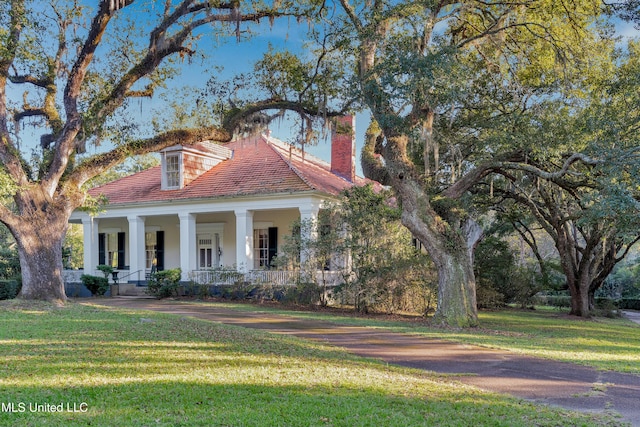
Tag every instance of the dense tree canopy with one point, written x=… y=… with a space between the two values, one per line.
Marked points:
x=453 y=88
x=591 y=211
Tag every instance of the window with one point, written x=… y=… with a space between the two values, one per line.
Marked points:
x=265 y=246
x=261 y=247
x=205 y=252
x=111 y=249
x=172 y=170
x=151 y=247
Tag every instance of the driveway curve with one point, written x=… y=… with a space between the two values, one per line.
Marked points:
x=543 y=381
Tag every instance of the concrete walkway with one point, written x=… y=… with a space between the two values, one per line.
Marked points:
x=542 y=381
x=634 y=316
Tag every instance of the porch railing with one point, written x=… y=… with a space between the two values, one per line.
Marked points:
x=272 y=277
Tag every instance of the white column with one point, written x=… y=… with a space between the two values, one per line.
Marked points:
x=244 y=240
x=187 y=244
x=90 y=244
x=137 y=261
x=308 y=217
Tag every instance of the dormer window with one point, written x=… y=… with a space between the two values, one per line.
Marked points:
x=172 y=171
x=181 y=164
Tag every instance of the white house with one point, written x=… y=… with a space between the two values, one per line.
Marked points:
x=210 y=205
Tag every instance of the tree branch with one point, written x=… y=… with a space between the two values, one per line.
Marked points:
x=66 y=142
x=514 y=162
x=9 y=155
x=22 y=79
x=234 y=118
x=99 y=163
x=372 y=165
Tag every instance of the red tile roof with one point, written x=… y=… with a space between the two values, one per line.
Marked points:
x=259 y=166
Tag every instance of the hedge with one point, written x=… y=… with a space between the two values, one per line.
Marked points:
x=629 y=303
x=96 y=285
x=8 y=289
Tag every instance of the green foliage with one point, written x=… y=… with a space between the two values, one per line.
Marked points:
x=629 y=304
x=303 y=293
x=238 y=290
x=9 y=264
x=165 y=283
x=387 y=273
x=8 y=289
x=313 y=248
x=106 y=270
x=499 y=279
x=554 y=300
x=623 y=282
x=73 y=247
x=96 y=285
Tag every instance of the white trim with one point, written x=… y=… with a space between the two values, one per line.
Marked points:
x=90 y=244
x=164 y=184
x=244 y=240
x=137 y=255
x=262 y=224
x=111 y=230
x=175 y=207
x=187 y=243
x=211 y=229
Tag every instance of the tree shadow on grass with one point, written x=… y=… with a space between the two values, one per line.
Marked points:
x=209 y=404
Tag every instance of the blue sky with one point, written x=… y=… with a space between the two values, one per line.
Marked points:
x=239 y=56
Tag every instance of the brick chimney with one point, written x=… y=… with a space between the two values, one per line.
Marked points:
x=343 y=147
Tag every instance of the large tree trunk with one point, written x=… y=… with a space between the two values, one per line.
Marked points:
x=571 y=261
x=456 y=290
x=39 y=235
x=580 y=301
x=451 y=249
x=585 y=269
x=40 y=254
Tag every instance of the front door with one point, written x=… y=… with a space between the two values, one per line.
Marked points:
x=209 y=250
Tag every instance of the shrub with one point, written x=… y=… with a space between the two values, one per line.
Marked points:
x=106 y=270
x=557 y=301
x=629 y=304
x=487 y=297
x=165 y=283
x=306 y=293
x=96 y=285
x=9 y=264
x=8 y=289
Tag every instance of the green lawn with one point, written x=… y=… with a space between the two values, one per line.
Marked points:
x=118 y=367
x=602 y=343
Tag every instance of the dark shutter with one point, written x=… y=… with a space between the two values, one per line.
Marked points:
x=160 y=250
x=102 y=253
x=121 y=250
x=273 y=244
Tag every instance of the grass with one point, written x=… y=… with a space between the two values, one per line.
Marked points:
x=602 y=343
x=122 y=367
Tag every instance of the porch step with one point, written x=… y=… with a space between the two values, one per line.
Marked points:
x=130 y=290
